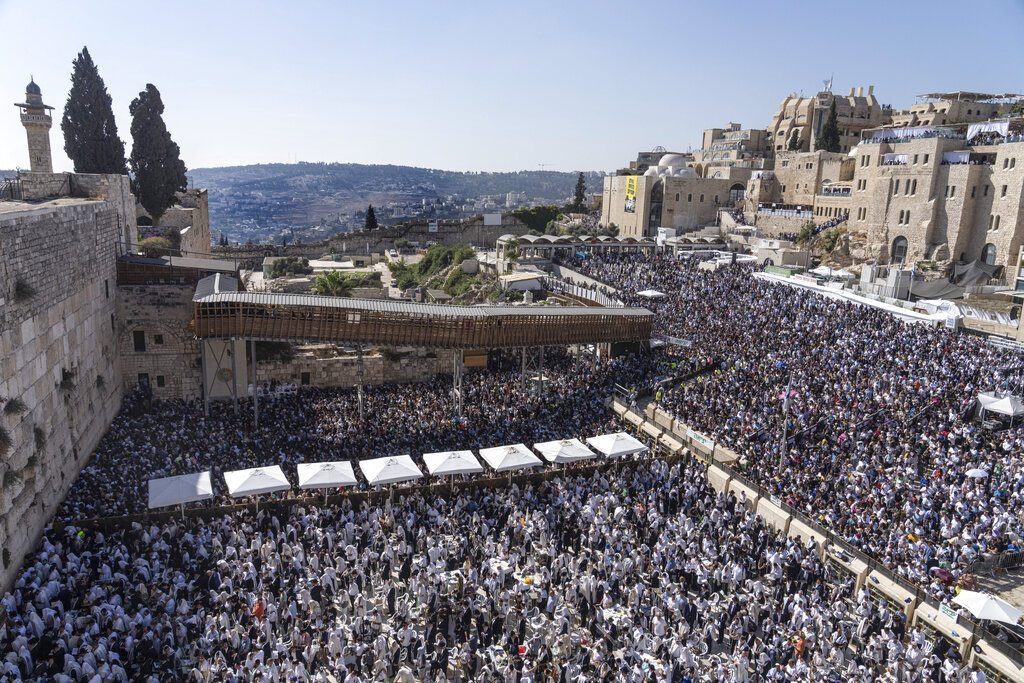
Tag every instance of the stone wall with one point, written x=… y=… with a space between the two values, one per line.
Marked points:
x=168 y=356
x=191 y=217
x=115 y=189
x=342 y=371
x=470 y=231
x=58 y=355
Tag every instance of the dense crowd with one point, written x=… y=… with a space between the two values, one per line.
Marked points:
x=879 y=422
x=637 y=573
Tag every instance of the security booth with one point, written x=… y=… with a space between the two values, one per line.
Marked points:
x=997 y=663
x=941 y=630
x=896 y=596
x=838 y=560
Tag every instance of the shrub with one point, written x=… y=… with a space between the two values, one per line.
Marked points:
x=15 y=406
x=40 y=436
x=153 y=247
x=67 y=379
x=5 y=440
x=23 y=291
x=289 y=265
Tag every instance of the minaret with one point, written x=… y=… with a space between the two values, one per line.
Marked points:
x=35 y=116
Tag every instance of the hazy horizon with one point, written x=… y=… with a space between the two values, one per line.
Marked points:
x=473 y=87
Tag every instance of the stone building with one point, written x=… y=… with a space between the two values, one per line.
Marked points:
x=807 y=115
x=58 y=342
x=35 y=116
x=939 y=109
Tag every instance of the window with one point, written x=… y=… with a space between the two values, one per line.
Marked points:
x=974 y=189
x=997 y=223
x=1003 y=192
x=113 y=327
x=139 y=337
x=160 y=381
x=677 y=196
x=702 y=198
x=988 y=254
x=926 y=157
x=1013 y=162
x=896 y=187
x=913 y=188
x=106 y=288
x=899 y=250
x=716 y=199
x=144 y=380
x=985 y=191
x=305 y=379
x=899 y=221
x=1006 y=163
x=915 y=160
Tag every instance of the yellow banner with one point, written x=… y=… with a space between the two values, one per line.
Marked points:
x=631 y=194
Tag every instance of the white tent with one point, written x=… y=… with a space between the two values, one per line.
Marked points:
x=184 y=488
x=507 y=458
x=987 y=606
x=452 y=462
x=987 y=398
x=1010 y=406
x=825 y=271
x=651 y=294
x=256 y=481
x=326 y=475
x=389 y=470
x=566 y=450
x=616 y=445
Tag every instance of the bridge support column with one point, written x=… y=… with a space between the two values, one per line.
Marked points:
x=533 y=370
x=457 y=368
x=234 y=373
x=359 y=378
x=203 y=348
x=255 y=388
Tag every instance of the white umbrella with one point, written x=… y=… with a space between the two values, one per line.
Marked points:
x=988 y=607
x=616 y=445
x=389 y=470
x=326 y=475
x=507 y=458
x=566 y=450
x=184 y=488
x=977 y=473
x=452 y=462
x=255 y=481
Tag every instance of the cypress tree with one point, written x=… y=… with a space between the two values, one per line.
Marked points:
x=829 y=138
x=371 y=219
x=159 y=172
x=794 y=141
x=580 y=195
x=90 y=133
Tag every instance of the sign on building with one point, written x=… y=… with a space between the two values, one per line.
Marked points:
x=630 y=194
x=700 y=438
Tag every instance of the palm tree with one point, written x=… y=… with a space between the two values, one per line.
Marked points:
x=332 y=283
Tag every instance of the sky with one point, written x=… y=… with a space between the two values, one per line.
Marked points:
x=486 y=86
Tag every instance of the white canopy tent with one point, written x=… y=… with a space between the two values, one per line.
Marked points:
x=452 y=462
x=255 y=481
x=988 y=607
x=392 y=469
x=1010 y=406
x=566 y=450
x=825 y=271
x=616 y=445
x=507 y=458
x=651 y=294
x=326 y=475
x=184 y=488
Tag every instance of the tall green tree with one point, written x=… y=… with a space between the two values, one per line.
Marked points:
x=371 y=219
x=794 y=141
x=829 y=138
x=90 y=133
x=579 y=197
x=158 y=169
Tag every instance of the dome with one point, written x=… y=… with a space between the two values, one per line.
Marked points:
x=651 y=172
x=32 y=88
x=673 y=160
x=684 y=172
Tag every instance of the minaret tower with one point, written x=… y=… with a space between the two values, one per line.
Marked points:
x=35 y=116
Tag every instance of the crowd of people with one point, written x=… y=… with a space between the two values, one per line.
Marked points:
x=879 y=425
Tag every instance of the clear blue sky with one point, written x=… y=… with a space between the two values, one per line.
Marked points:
x=483 y=85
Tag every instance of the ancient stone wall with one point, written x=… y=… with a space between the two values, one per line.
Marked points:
x=343 y=371
x=58 y=357
x=470 y=231
x=154 y=341
x=191 y=217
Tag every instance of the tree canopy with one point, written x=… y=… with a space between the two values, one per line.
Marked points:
x=155 y=159
x=579 y=197
x=371 y=219
x=90 y=133
x=332 y=283
x=794 y=141
x=829 y=138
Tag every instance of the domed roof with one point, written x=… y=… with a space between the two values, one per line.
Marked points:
x=652 y=171
x=673 y=160
x=32 y=88
x=685 y=172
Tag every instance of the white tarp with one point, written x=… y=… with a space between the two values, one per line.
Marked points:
x=389 y=470
x=975 y=129
x=825 y=271
x=902 y=133
x=255 y=481
x=651 y=294
x=452 y=462
x=616 y=445
x=960 y=156
x=566 y=450
x=326 y=475
x=184 y=488
x=1007 y=405
x=506 y=458
x=894 y=158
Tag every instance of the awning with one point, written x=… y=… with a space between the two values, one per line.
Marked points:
x=566 y=450
x=513 y=457
x=184 y=488
x=616 y=445
x=326 y=475
x=976 y=129
x=936 y=289
x=961 y=156
x=389 y=470
x=255 y=481
x=825 y=271
x=452 y=462
x=988 y=607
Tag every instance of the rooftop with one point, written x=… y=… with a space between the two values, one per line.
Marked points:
x=46 y=204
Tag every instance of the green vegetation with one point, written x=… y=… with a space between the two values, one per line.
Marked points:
x=371 y=219
x=337 y=283
x=274 y=351
x=90 y=133
x=154 y=247
x=14 y=406
x=40 y=437
x=806 y=233
x=159 y=172
x=5 y=440
x=402 y=243
x=794 y=141
x=829 y=138
x=441 y=256
x=538 y=217
x=829 y=239
x=579 y=197
x=23 y=291
x=288 y=265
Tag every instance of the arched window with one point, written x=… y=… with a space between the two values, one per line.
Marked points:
x=988 y=254
x=737 y=192
x=899 y=250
